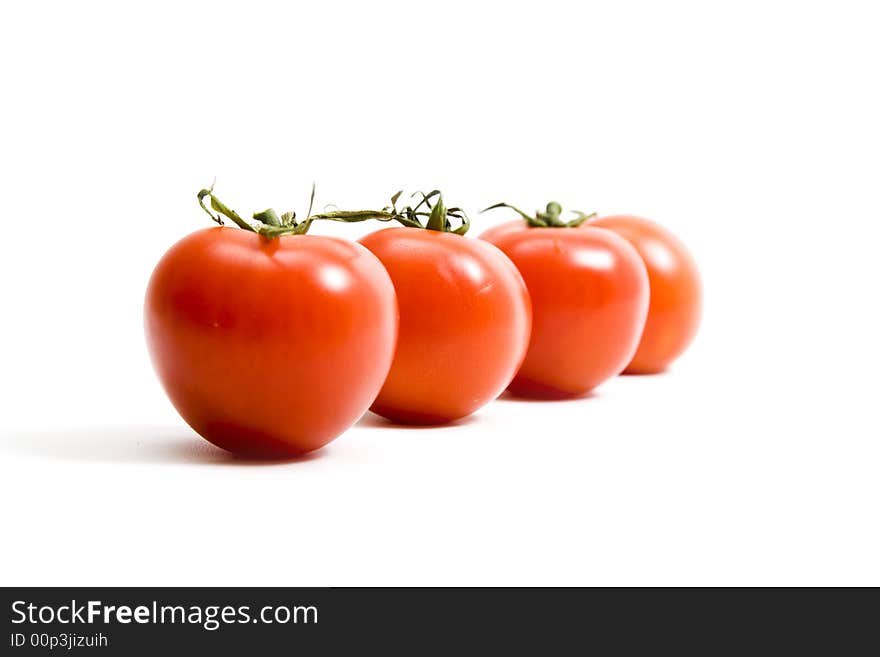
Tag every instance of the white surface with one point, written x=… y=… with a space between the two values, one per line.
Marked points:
x=751 y=131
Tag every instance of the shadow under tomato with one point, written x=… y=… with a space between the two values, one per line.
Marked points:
x=509 y=396
x=371 y=420
x=131 y=444
x=645 y=373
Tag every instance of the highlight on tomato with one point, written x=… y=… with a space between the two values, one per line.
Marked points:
x=589 y=293
x=464 y=313
x=676 y=295
x=268 y=341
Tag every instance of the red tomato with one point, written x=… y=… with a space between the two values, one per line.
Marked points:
x=589 y=293
x=270 y=347
x=464 y=324
x=674 y=313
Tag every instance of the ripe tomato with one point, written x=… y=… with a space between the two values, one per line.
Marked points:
x=589 y=293
x=464 y=324
x=674 y=313
x=270 y=347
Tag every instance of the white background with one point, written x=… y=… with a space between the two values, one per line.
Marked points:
x=749 y=128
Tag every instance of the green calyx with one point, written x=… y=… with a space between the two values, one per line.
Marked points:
x=430 y=213
x=267 y=222
x=549 y=218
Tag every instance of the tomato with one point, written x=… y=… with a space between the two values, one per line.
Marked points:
x=674 y=313
x=589 y=293
x=270 y=347
x=464 y=324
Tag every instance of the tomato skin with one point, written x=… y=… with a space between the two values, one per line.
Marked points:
x=589 y=293
x=270 y=347
x=676 y=295
x=464 y=324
